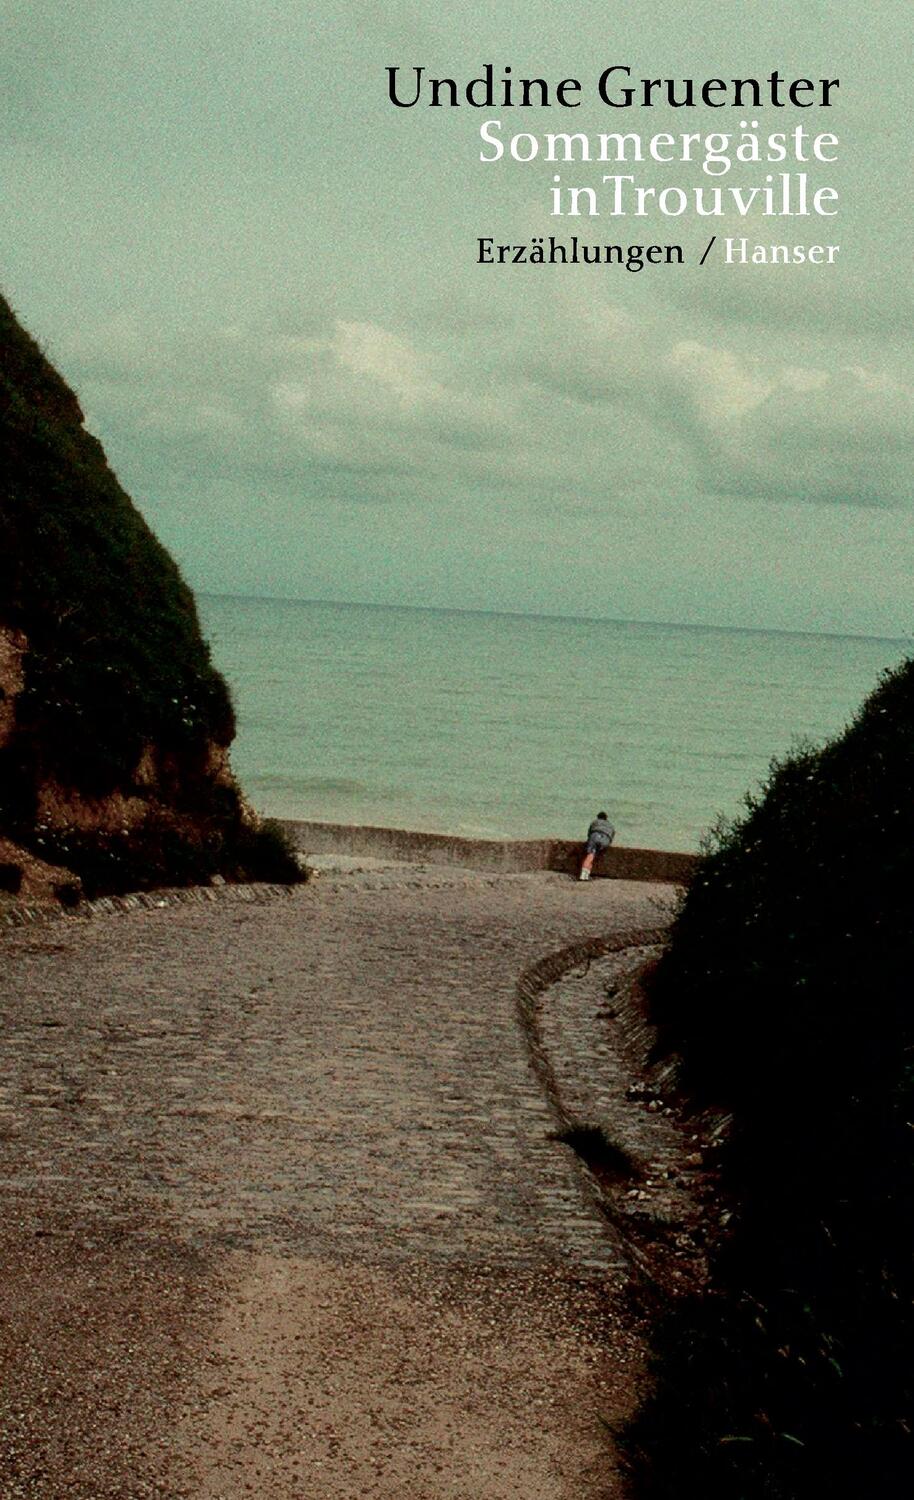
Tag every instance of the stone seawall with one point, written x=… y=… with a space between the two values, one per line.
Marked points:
x=509 y=856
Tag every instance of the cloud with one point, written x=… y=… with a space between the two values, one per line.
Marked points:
x=722 y=388
x=844 y=434
x=383 y=357
x=729 y=422
x=603 y=404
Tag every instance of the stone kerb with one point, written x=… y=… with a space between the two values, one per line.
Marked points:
x=20 y=915
x=537 y=979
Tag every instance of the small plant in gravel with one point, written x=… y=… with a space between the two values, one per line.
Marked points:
x=595 y=1148
x=68 y=893
x=268 y=853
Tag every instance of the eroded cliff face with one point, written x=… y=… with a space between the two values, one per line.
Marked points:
x=23 y=874
x=114 y=725
x=12 y=679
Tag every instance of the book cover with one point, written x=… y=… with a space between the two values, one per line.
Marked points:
x=456 y=745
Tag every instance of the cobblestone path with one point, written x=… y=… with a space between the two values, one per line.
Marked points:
x=327 y=1100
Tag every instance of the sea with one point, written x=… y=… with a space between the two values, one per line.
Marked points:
x=521 y=726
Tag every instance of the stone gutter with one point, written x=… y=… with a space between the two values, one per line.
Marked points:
x=533 y=983
x=663 y=1212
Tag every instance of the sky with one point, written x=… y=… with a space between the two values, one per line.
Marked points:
x=261 y=279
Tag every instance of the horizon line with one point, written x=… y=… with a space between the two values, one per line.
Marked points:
x=520 y=614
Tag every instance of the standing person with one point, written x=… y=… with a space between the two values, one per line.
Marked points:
x=600 y=835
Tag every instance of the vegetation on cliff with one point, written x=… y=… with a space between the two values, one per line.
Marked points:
x=115 y=724
x=787 y=994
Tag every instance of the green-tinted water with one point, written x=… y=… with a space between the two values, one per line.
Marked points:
x=488 y=724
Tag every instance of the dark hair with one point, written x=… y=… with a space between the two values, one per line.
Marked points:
x=601 y=814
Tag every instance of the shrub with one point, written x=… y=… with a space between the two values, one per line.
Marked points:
x=116 y=658
x=68 y=893
x=161 y=851
x=268 y=853
x=786 y=993
x=157 y=853
x=115 y=662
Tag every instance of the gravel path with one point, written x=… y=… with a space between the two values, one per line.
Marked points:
x=284 y=1175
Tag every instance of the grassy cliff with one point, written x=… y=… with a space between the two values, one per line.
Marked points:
x=788 y=994
x=114 y=724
